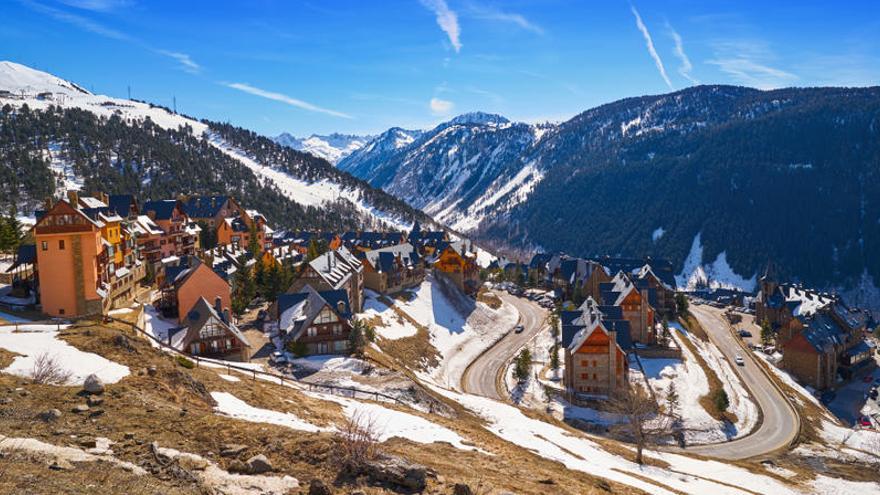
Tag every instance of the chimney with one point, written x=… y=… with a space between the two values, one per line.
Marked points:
x=104 y=198
x=225 y=316
x=47 y=203
x=73 y=198
x=340 y=307
x=218 y=304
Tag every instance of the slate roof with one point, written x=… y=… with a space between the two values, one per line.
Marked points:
x=162 y=208
x=822 y=332
x=539 y=261
x=336 y=266
x=383 y=259
x=578 y=325
x=204 y=206
x=26 y=255
x=201 y=312
x=122 y=204
x=296 y=312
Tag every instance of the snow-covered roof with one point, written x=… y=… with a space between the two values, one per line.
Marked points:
x=336 y=266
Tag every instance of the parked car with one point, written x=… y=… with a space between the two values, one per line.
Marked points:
x=739 y=360
x=278 y=357
x=865 y=422
x=519 y=329
x=745 y=333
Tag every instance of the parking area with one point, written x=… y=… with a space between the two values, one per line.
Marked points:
x=851 y=400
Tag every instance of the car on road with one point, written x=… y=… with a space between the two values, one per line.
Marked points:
x=739 y=360
x=865 y=422
x=519 y=329
x=745 y=333
x=278 y=357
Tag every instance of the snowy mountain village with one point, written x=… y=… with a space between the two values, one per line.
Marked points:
x=197 y=342
x=605 y=345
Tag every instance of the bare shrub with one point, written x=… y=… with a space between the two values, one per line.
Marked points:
x=48 y=371
x=357 y=442
x=643 y=424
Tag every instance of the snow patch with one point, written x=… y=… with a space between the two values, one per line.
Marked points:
x=717 y=274
x=31 y=341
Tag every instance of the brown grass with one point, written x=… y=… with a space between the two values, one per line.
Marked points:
x=26 y=473
x=6 y=358
x=169 y=409
x=707 y=401
x=414 y=352
x=692 y=325
x=488 y=298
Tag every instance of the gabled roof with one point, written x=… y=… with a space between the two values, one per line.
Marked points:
x=201 y=313
x=123 y=204
x=539 y=261
x=204 y=206
x=336 y=266
x=383 y=259
x=577 y=326
x=145 y=225
x=823 y=332
x=296 y=312
x=26 y=255
x=41 y=214
x=162 y=209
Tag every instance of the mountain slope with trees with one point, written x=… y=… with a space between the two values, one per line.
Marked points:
x=788 y=175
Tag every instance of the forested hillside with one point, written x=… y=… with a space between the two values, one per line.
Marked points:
x=37 y=147
x=788 y=175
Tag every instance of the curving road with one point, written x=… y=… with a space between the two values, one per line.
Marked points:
x=482 y=376
x=781 y=422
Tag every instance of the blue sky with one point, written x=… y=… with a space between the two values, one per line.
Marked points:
x=364 y=66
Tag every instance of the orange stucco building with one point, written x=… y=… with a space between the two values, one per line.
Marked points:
x=71 y=258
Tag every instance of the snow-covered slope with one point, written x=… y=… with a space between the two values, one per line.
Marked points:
x=332 y=147
x=21 y=85
x=460 y=172
x=309 y=184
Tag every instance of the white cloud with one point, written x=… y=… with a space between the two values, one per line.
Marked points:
x=97 y=5
x=650 y=44
x=748 y=62
x=510 y=17
x=247 y=88
x=187 y=63
x=686 y=67
x=441 y=107
x=751 y=73
x=77 y=20
x=446 y=19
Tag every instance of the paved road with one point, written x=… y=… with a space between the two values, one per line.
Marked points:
x=780 y=424
x=481 y=376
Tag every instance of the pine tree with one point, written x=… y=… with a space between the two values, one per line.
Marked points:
x=554 y=357
x=767 y=334
x=722 y=402
x=254 y=246
x=672 y=401
x=245 y=290
x=357 y=338
x=681 y=303
x=523 y=366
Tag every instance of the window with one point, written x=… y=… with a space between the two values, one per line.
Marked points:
x=312 y=331
x=337 y=329
x=44 y=245
x=61 y=311
x=594 y=363
x=61 y=244
x=340 y=345
x=194 y=349
x=585 y=376
x=585 y=363
x=594 y=376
